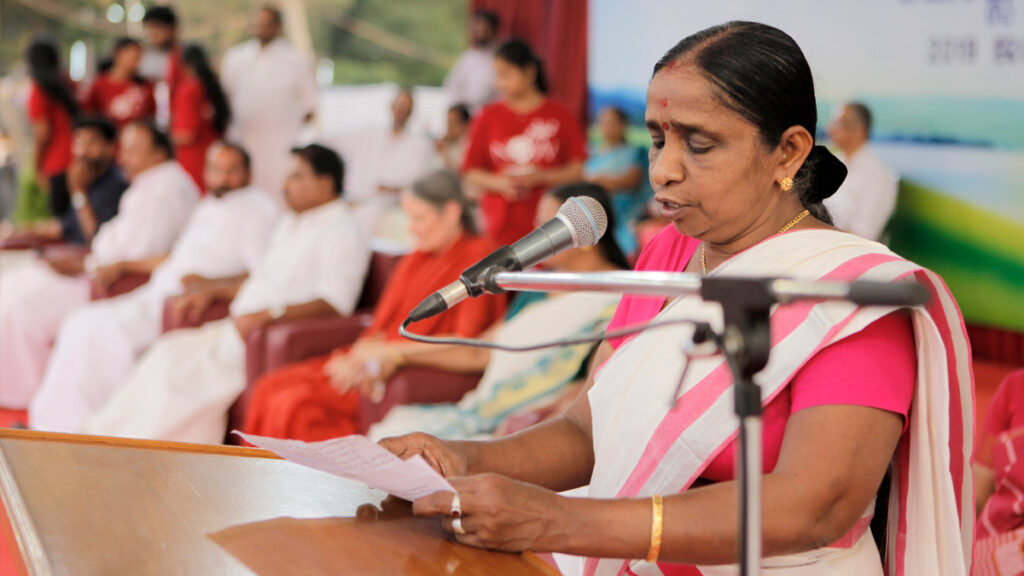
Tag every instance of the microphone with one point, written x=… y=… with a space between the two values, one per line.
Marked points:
x=581 y=221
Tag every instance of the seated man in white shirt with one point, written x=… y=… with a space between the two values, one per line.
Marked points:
x=226 y=237
x=36 y=299
x=183 y=385
x=382 y=162
x=867 y=198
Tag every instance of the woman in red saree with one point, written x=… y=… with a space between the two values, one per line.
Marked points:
x=319 y=398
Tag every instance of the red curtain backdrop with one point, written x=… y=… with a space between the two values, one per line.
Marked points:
x=557 y=32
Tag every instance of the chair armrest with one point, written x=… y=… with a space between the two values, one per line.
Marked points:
x=282 y=343
x=122 y=285
x=416 y=386
x=216 y=311
x=294 y=341
x=27 y=241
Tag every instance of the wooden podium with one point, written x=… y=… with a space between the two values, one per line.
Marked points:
x=94 y=505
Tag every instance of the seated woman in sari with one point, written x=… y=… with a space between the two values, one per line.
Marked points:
x=621 y=169
x=520 y=380
x=849 y=391
x=319 y=398
x=999 y=483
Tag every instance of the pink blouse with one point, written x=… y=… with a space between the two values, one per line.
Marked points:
x=876 y=367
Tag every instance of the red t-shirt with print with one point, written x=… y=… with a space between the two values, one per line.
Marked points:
x=502 y=140
x=121 y=102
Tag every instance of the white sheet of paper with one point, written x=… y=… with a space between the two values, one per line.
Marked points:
x=359 y=458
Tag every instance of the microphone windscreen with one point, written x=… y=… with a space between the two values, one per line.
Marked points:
x=586 y=219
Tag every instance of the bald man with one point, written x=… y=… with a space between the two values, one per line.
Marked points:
x=867 y=198
x=383 y=162
x=225 y=238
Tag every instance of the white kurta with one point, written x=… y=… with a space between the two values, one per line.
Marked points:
x=867 y=198
x=271 y=90
x=471 y=81
x=183 y=386
x=98 y=345
x=380 y=157
x=35 y=300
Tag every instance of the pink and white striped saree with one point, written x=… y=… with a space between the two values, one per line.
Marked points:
x=642 y=447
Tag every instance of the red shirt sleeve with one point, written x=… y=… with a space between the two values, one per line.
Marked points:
x=185 y=109
x=477 y=155
x=37 y=104
x=876 y=367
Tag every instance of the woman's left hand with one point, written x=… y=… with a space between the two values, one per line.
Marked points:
x=499 y=513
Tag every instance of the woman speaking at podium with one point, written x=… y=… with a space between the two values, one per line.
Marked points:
x=849 y=393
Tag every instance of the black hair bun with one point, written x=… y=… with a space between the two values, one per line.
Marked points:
x=827 y=174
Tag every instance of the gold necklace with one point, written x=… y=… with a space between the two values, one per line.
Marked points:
x=790 y=224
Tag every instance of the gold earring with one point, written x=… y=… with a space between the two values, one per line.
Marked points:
x=786 y=184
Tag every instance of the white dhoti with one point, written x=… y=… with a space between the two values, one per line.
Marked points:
x=94 y=354
x=180 y=390
x=34 y=301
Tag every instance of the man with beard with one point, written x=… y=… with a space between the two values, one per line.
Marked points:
x=87 y=195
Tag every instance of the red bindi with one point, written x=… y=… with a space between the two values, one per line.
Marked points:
x=664 y=102
x=664 y=125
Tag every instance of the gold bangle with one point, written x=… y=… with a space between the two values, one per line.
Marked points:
x=658 y=514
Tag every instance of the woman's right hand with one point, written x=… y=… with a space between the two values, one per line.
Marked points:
x=447 y=458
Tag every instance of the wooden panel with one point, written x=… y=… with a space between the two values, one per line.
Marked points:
x=88 y=505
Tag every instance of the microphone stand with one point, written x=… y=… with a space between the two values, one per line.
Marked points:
x=745 y=342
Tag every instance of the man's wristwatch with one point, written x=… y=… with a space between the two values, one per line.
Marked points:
x=277 y=312
x=79 y=200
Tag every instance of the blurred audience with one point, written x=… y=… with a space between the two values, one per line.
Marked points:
x=272 y=93
x=471 y=81
x=85 y=196
x=867 y=198
x=161 y=61
x=181 y=388
x=521 y=145
x=451 y=147
x=515 y=381
x=37 y=299
x=319 y=398
x=199 y=112
x=119 y=94
x=52 y=108
x=621 y=169
x=225 y=238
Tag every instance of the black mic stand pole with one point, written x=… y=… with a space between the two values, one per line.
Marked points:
x=746 y=343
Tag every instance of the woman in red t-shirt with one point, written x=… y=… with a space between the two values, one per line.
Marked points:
x=51 y=108
x=199 y=112
x=119 y=94
x=520 y=146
